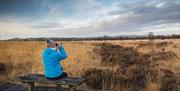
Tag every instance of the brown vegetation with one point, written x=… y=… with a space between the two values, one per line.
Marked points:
x=127 y=65
x=170 y=81
x=134 y=70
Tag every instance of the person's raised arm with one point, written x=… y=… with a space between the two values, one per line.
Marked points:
x=61 y=54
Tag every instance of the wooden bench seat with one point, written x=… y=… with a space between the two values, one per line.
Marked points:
x=30 y=79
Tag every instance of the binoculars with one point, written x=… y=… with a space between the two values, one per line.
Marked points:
x=56 y=44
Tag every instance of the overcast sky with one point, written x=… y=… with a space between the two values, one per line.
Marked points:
x=87 y=18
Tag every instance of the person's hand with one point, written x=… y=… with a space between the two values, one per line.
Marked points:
x=59 y=44
x=56 y=44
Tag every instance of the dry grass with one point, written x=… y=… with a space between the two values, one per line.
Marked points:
x=133 y=69
x=17 y=58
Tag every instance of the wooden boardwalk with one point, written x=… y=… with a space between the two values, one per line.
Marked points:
x=44 y=84
x=68 y=82
x=21 y=87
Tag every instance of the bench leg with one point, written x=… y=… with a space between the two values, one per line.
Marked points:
x=30 y=86
x=57 y=87
x=60 y=86
x=72 y=89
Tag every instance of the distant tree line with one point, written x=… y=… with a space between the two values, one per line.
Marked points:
x=150 y=37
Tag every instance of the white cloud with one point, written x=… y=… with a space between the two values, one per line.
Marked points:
x=92 y=18
x=22 y=30
x=163 y=29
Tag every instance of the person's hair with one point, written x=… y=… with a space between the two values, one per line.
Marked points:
x=48 y=41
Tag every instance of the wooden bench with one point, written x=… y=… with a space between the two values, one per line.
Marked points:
x=30 y=79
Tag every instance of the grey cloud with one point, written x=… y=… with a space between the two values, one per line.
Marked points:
x=133 y=18
x=143 y=15
x=46 y=25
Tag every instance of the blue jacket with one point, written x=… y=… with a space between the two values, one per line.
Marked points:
x=51 y=59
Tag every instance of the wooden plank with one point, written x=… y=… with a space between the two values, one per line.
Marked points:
x=39 y=78
x=72 y=89
x=30 y=86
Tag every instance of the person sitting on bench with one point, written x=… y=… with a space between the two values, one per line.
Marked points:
x=52 y=56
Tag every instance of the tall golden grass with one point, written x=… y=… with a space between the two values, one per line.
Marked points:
x=23 y=57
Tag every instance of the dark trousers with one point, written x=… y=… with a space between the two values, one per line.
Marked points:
x=64 y=74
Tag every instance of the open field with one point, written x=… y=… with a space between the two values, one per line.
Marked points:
x=135 y=64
